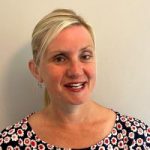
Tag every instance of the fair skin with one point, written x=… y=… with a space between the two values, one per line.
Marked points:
x=68 y=71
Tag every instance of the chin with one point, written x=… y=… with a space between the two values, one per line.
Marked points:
x=78 y=101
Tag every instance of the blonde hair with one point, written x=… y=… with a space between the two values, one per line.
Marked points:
x=49 y=27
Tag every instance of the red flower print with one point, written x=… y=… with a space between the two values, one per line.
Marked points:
x=20 y=132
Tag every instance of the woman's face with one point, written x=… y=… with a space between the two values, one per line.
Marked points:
x=68 y=66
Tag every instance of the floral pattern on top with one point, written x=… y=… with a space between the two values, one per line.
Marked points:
x=128 y=133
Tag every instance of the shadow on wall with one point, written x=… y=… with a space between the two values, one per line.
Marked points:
x=22 y=96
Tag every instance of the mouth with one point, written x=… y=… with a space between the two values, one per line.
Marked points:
x=75 y=86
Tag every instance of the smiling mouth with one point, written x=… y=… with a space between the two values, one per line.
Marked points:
x=75 y=86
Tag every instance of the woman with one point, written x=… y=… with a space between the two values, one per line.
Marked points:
x=64 y=63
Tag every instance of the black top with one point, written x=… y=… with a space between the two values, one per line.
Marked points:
x=127 y=133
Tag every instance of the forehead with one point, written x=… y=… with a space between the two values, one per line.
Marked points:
x=73 y=37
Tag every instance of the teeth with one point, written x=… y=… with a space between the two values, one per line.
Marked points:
x=77 y=87
x=76 y=84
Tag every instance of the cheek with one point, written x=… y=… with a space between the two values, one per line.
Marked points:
x=93 y=76
x=52 y=74
x=92 y=71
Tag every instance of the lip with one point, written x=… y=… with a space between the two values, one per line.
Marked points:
x=76 y=82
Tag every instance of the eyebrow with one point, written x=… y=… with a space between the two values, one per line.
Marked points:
x=59 y=51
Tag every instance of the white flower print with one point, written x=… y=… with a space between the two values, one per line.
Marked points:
x=14 y=137
x=6 y=139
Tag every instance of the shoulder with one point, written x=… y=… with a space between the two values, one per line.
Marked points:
x=137 y=131
x=15 y=136
x=132 y=124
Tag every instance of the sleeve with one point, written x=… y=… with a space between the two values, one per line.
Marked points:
x=137 y=132
x=147 y=137
x=8 y=139
x=142 y=137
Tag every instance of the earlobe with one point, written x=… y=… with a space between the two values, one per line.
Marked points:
x=34 y=70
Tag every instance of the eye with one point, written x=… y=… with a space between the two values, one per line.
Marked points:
x=59 y=58
x=86 y=56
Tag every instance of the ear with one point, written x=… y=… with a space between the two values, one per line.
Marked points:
x=34 y=70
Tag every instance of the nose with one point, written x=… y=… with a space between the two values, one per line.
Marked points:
x=75 y=70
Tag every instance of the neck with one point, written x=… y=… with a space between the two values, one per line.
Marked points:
x=70 y=114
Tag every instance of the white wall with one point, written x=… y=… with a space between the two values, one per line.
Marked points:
x=122 y=30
